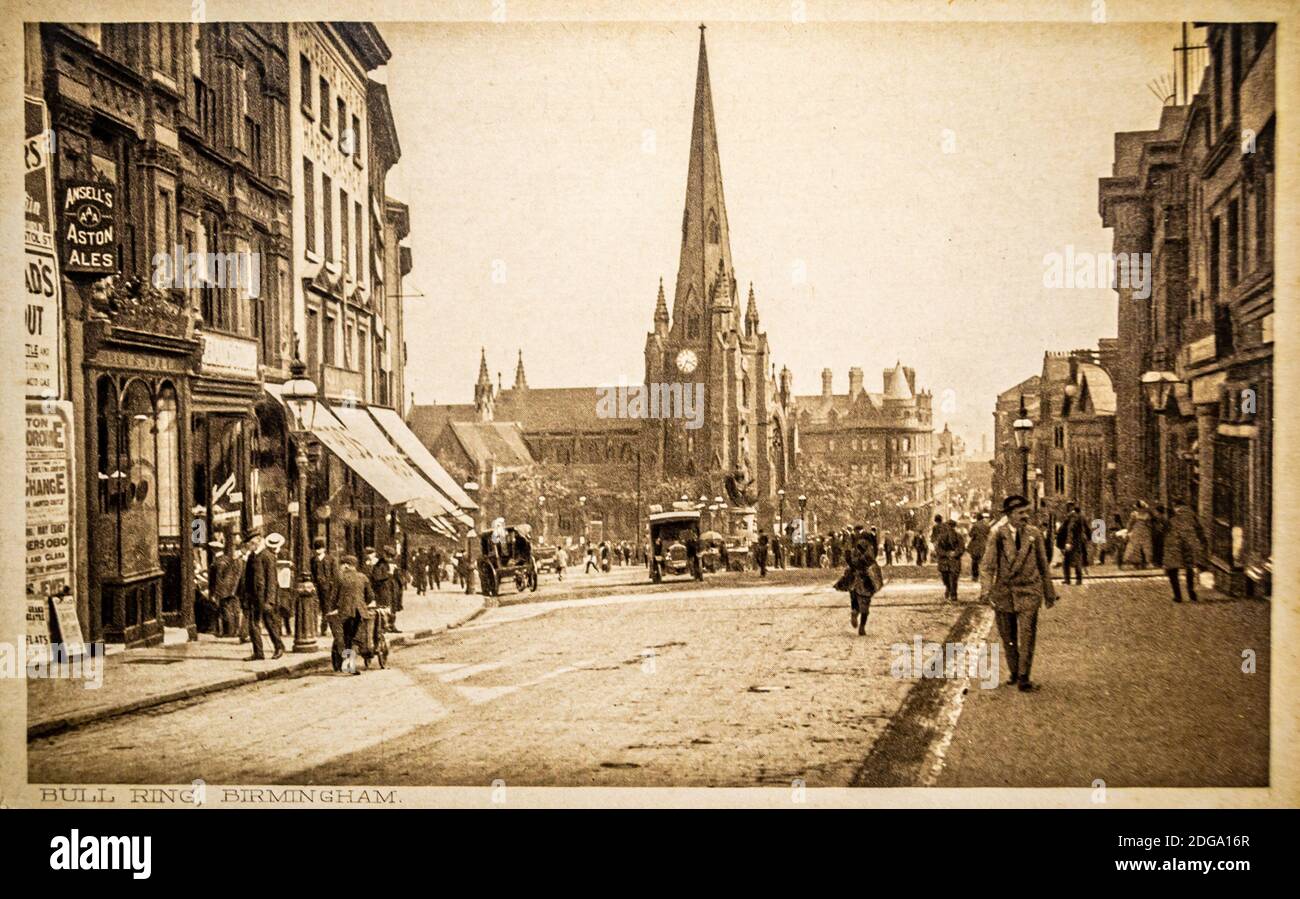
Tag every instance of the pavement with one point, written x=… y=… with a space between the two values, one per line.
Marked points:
x=137 y=679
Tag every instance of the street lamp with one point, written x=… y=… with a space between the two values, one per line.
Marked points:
x=299 y=394
x=1157 y=386
x=541 y=511
x=1021 y=428
x=780 y=513
x=471 y=487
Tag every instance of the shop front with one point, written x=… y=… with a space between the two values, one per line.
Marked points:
x=137 y=381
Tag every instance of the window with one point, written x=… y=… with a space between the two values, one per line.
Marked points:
x=313 y=341
x=1234 y=242
x=360 y=243
x=1058 y=477
x=110 y=162
x=325 y=105
x=216 y=306
x=1058 y=437
x=345 y=255
x=1261 y=219
x=205 y=109
x=330 y=338
x=163 y=45
x=356 y=140
x=343 y=122
x=327 y=210
x=166 y=222
x=349 y=335
x=262 y=302
x=305 y=84
x=309 y=203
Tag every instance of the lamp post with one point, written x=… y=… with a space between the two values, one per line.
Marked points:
x=1021 y=428
x=471 y=487
x=1157 y=387
x=299 y=394
x=582 y=518
x=803 y=530
x=780 y=512
x=541 y=511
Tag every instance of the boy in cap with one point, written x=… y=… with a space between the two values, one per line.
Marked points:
x=1016 y=580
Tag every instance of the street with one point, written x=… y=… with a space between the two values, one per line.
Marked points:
x=730 y=685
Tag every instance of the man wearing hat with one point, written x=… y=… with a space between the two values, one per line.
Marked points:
x=225 y=581
x=1015 y=578
x=348 y=612
x=325 y=575
x=284 y=597
x=386 y=580
x=261 y=591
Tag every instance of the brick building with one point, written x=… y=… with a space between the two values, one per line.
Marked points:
x=1197 y=194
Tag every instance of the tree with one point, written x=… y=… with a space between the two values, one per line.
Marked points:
x=838 y=495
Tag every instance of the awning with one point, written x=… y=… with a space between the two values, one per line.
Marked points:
x=352 y=436
x=424 y=460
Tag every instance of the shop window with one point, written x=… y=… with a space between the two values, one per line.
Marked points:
x=169 y=521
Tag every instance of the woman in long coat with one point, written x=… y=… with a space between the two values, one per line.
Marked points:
x=862 y=580
x=1184 y=549
x=1138 y=549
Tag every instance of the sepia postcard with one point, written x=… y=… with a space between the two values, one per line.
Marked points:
x=782 y=404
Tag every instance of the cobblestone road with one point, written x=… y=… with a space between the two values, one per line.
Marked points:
x=713 y=687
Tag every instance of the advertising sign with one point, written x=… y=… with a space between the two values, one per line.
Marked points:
x=50 y=567
x=88 y=223
x=43 y=339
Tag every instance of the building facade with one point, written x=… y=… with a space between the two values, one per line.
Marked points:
x=1197 y=194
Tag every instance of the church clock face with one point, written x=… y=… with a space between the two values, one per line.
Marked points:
x=686 y=361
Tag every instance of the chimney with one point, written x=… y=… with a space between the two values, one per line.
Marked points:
x=827 y=377
x=855 y=383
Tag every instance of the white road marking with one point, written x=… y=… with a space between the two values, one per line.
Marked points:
x=950 y=714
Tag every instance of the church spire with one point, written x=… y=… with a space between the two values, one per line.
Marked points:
x=521 y=382
x=483 y=395
x=706 y=244
x=751 y=314
x=661 y=310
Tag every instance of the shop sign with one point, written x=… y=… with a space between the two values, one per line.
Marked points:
x=43 y=340
x=229 y=356
x=49 y=520
x=88 y=223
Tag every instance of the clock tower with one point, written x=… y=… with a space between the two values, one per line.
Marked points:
x=738 y=445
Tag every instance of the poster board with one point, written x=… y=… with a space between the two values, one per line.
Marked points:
x=49 y=520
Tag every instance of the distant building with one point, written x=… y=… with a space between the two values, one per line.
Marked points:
x=887 y=435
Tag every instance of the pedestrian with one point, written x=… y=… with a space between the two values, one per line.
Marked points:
x=948 y=549
x=284 y=595
x=1016 y=582
x=561 y=561
x=862 y=579
x=436 y=560
x=465 y=570
x=348 y=607
x=260 y=596
x=889 y=549
x=1072 y=540
x=591 y=560
x=693 y=556
x=419 y=572
x=918 y=547
x=227 y=574
x=762 y=555
x=1139 y=552
x=325 y=575
x=979 y=537
x=1184 y=549
x=1159 y=526
x=386 y=581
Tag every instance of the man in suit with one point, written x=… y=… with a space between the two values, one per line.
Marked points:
x=948 y=549
x=1072 y=540
x=979 y=538
x=227 y=571
x=1016 y=581
x=261 y=595
x=348 y=614
x=325 y=575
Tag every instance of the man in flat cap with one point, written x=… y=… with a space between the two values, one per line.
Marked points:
x=1015 y=578
x=348 y=615
x=325 y=575
x=386 y=580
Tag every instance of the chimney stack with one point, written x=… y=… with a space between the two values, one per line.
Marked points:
x=827 y=377
x=855 y=383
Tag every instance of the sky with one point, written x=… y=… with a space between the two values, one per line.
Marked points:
x=892 y=191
